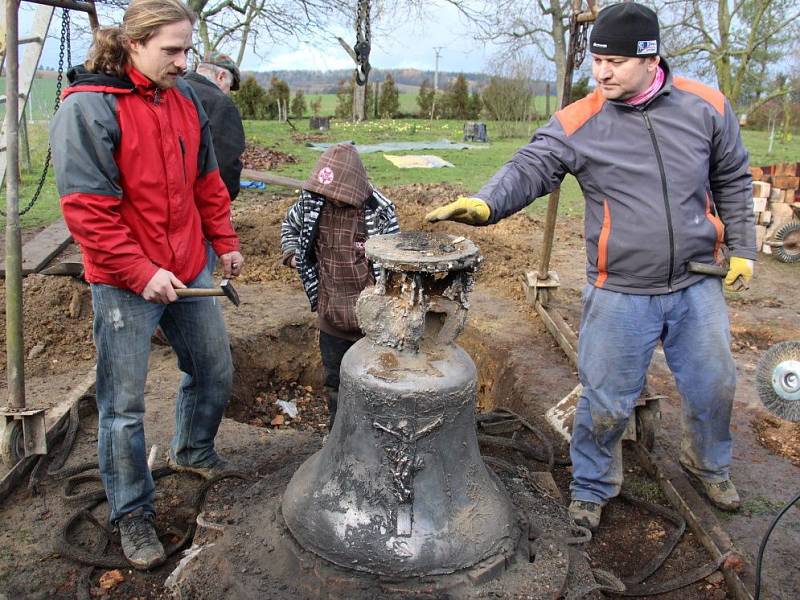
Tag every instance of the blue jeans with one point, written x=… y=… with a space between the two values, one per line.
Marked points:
x=123 y=325
x=618 y=335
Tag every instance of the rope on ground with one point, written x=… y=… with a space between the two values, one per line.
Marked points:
x=52 y=464
x=67 y=548
x=669 y=544
x=504 y=420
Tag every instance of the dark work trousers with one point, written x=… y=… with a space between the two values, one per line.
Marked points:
x=332 y=349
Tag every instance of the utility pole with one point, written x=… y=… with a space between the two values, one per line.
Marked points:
x=438 y=51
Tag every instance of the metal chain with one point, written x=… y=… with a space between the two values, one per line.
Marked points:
x=580 y=43
x=363 y=41
x=64 y=47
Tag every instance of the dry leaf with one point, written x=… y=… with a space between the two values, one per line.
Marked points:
x=111 y=579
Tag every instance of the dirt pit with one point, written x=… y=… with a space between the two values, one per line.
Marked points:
x=276 y=356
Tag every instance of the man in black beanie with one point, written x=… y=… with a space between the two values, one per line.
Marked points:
x=666 y=182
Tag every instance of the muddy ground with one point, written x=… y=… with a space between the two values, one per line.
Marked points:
x=274 y=346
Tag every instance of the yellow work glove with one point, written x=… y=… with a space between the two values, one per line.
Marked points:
x=739 y=274
x=472 y=211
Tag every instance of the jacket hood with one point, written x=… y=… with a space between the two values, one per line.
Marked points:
x=81 y=80
x=340 y=175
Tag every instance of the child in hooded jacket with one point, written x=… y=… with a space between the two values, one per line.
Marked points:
x=323 y=236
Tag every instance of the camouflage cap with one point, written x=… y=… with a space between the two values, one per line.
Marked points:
x=226 y=62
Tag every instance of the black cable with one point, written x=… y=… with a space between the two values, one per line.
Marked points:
x=764 y=541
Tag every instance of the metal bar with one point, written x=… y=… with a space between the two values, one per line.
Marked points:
x=549 y=233
x=14 y=342
x=23 y=137
x=552 y=201
x=55 y=417
x=273 y=179
x=560 y=330
x=699 y=517
x=87 y=7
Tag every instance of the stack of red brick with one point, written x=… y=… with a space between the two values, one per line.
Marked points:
x=776 y=189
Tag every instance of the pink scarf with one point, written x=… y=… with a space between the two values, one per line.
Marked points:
x=658 y=81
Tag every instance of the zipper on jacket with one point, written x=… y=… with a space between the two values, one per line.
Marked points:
x=157 y=96
x=666 y=199
x=183 y=157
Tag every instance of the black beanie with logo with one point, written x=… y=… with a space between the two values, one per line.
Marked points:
x=626 y=29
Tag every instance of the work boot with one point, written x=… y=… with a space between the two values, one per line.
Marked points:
x=219 y=467
x=586 y=514
x=333 y=404
x=722 y=494
x=139 y=541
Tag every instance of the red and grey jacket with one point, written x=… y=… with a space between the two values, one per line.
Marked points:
x=664 y=183
x=139 y=184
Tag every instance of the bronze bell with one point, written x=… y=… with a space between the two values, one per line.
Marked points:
x=399 y=488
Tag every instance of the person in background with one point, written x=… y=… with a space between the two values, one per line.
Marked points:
x=216 y=77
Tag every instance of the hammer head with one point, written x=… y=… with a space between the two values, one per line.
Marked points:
x=227 y=289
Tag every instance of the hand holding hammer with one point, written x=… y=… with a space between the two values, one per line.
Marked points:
x=225 y=289
x=231 y=266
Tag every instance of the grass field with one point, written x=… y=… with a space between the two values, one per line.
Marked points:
x=472 y=167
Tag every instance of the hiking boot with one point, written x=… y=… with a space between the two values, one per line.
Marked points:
x=586 y=514
x=722 y=494
x=139 y=541
x=220 y=467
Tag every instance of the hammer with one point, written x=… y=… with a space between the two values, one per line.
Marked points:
x=225 y=289
x=717 y=271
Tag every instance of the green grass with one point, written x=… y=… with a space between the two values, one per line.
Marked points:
x=757 y=144
x=472 y=167
x=42 y=100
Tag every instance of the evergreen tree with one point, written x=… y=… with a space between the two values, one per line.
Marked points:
x=344 y=99
x=475 y=105
x=389 y=101
x=580 y=89
x=299 y=106
x=316 y=105
x=251 y=99
x=425 y=99
x=456 y=99
x=278 y=92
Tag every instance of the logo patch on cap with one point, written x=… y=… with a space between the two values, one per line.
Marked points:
x=647 y=47
x=599 y=45
x=325 y=176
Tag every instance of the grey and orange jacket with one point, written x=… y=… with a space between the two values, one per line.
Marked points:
x=664 y=183
x=139 y=184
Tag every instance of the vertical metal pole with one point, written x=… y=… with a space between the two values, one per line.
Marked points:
x=14 y=343
x=552 y=200
x=438 y=50
x=547 y=100
x=23 y=137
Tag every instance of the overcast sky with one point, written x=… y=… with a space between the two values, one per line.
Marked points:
x=410 y=45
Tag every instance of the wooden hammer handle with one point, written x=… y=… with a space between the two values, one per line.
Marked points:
x=197 y=292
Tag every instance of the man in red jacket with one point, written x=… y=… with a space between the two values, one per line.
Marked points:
x=141 y=192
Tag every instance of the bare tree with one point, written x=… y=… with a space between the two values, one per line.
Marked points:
x=738 y=42
x=239 y=23
x=508 y=97
x=234 y=25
